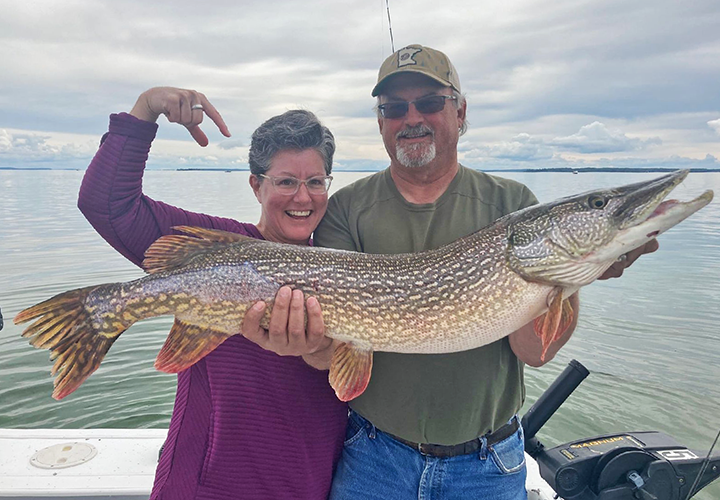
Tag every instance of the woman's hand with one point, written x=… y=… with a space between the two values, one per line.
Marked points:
x=288 y=334
x=185 y=107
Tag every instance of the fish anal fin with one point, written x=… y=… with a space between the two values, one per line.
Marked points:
x=350 y=371
x=554 y=323
x=186 y=345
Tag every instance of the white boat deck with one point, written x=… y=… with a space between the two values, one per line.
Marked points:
x=116 y=464
x=122 y=469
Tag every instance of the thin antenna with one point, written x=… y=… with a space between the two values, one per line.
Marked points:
x=703 y=468
x=392 y=42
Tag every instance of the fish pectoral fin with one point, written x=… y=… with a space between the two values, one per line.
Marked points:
x=350 y=370
x=555 y=322
x=186 y=345
x=568 y=314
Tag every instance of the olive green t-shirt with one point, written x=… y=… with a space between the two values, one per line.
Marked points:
x=430 y=398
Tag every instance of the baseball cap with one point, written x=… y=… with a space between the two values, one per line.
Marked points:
x=418 y=59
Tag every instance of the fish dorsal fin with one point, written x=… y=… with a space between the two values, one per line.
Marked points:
x=216 y=235
x=186 y=345
x=173 y=250
x=350 y=370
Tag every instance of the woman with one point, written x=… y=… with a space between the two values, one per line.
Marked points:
x=247 y=423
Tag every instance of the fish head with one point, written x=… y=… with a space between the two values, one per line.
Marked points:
x=572 y=241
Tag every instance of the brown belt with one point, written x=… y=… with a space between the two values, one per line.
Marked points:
x=445 y=451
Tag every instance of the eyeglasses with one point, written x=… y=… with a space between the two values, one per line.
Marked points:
x=290 y=185
x=425 y=105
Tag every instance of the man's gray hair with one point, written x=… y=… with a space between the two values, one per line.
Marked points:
x=294 y=130
x=460 y=99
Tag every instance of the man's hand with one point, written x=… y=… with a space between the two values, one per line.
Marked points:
x=616 y=270
x=287 y=334
x=186 y=107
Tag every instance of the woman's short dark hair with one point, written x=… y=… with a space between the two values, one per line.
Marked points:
x=295 y=130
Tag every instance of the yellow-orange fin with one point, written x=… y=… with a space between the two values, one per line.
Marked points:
x=350 y=371
x=177 y=250
x=186 y=345
x=64 y=326
x=173 y=251
x=555 y=322
x=568 y=314
x=216 y=235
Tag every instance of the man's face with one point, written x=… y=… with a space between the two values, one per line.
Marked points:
x=416 y=139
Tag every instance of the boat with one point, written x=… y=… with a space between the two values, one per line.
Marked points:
x=87 y=464
x=119 y=464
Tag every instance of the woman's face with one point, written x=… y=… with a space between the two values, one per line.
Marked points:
x=290 y=218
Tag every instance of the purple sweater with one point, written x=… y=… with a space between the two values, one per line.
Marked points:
x=247 y=423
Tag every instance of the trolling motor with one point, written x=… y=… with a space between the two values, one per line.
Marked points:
x=628 y=466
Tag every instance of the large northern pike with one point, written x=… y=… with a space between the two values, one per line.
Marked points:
x=469 y=293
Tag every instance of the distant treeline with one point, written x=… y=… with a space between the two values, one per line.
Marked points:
x=579 y=170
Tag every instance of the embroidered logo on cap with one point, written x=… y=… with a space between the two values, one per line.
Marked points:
x=405 y=56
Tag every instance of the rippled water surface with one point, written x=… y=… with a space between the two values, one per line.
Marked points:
x=650 y=339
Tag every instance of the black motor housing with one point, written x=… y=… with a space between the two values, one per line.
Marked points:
x=628 y=466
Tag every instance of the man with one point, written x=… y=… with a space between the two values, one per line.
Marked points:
x=444 y=424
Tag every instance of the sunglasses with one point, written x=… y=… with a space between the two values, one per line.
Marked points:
x=425 y=105
x=290 y=185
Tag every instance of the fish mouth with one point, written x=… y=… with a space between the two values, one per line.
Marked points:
x=674 y=211
x=644 y=213
x=645 y=203
x=641 y=200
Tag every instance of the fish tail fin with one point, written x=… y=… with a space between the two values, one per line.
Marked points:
x=77 y=338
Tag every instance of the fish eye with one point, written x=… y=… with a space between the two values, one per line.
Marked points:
x=597 y=202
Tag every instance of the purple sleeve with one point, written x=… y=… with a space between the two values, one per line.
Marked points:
x=112 y=200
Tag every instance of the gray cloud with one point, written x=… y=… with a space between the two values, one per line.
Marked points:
x=592 y=138
x=20 y=148
x=232 y=144
x=596 y=138
x=715 y=125
x=522 y=148
x=527 y=68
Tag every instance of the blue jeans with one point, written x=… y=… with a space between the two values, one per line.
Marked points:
x=374 y=466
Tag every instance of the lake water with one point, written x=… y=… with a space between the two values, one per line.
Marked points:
x=650 y=339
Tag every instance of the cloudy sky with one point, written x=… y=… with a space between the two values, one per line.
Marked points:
x=562 y=83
